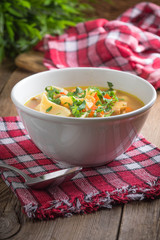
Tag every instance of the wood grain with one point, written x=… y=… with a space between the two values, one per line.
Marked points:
x=7 y=106
x=151 y=129
x=9 y=225
x=102 y=225
x=141 y=221
x=6 y=69
x=9 y=221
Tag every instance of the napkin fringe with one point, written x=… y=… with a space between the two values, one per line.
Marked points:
x=92 y=203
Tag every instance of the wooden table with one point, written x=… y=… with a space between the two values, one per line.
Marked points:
x=136 y=220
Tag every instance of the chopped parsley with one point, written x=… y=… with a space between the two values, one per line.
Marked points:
x=57 y=101
x=77 y=107
x=82 y=106
x=52 y=89
x=92 y=101
x=79 y=92
x=110 y=85
x=49 y=109
x=52 y=93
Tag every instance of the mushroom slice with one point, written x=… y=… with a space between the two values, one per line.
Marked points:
x=119 y=107
x=49 y=107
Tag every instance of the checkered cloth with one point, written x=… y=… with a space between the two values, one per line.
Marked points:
x=130 y=43
x=132 y=176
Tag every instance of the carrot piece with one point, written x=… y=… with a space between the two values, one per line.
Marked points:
x=63 y=93
x=94 y=107
x=107 y=96
x=129 y=109
x=96 y=97
x=91 y=114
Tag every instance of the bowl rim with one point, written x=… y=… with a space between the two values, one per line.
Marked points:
x=51 y=117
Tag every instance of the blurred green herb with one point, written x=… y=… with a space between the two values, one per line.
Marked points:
x=24 y=22
x=49 y=109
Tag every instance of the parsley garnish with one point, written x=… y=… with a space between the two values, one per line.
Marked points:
x=98 y=91
x=52 y=89
x=108 y=114
x=82 y=106
x=57 y=101
x=77 y=107
x=78 y=90
x=49 y=109
x=77 y=93
x=110 y=85
x=51 y=94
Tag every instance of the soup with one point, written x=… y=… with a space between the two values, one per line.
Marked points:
x=84 y=102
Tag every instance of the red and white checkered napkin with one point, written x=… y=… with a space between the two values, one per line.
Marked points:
x=132 y=176
x=130 y=43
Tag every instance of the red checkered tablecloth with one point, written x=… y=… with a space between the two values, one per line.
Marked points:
x=132 y=176
x=130 y=43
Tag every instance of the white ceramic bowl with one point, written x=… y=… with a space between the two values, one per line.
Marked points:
x=85 y=141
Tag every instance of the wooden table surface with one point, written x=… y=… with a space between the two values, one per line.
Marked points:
x=136 y=220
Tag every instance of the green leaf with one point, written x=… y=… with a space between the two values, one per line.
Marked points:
x=109 y=114
x=69 y=9
x=24 y=22
x=57 y=101
x=47 y=2
x=10 y=30
x=110 y=85
x=49 y=109
x=14 y=12
x=1 y=22
x=78 y=90
x=1 y=52
x=82 y=106
x=75 y=111
x=25 y=3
